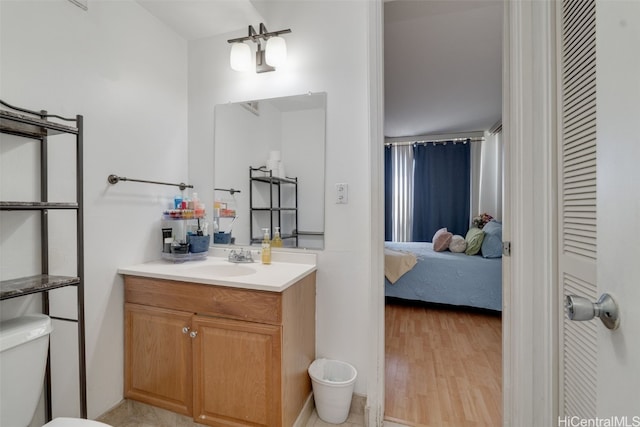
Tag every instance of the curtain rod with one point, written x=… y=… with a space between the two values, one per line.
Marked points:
x=436 y=141
x=477 y=135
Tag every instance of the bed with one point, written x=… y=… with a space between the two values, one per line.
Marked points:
x=447 y=278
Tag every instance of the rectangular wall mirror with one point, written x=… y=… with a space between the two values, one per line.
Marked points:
x=271 y=153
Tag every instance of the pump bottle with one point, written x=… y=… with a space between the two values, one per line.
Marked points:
x=266 y=247
x=277 y=240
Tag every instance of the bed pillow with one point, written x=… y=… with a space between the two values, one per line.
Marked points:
x=492 y=242
x=457 y=244
x=441 y=240
x=474 y=239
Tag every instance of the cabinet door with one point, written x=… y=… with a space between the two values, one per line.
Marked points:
x=237 y=368
x=158 y=368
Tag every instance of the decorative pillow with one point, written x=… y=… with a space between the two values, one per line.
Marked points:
x=457 y=244
x=438 y=233
x=474 y=239
x=441 y=240
x=492 y=242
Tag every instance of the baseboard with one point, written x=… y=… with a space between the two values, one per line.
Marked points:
x=305 y=413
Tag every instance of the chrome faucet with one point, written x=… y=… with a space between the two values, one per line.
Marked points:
x=240 y=256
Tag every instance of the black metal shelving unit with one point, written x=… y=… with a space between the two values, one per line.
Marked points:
x=274 y=210
x=37 y=125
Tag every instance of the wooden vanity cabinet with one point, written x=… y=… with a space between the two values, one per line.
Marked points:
x=241 y=383
x=225 y=356
x=158 y=357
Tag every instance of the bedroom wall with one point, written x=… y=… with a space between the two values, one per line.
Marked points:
x=127 y=74
x=334 y=62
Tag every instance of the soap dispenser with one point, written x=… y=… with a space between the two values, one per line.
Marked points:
x=266 y=247
x=277 y=240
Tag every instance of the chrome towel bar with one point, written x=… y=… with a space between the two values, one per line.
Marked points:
x=114 y=179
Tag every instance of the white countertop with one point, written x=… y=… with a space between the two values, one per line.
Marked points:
x=284 y=270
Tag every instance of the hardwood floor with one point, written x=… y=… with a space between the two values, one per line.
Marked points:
x=443 y=366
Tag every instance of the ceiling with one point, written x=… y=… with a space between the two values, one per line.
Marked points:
x=442 y=57
x=443 y=62
x=196 y=19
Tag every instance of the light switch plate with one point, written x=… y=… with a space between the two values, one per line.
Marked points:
x=342 y=193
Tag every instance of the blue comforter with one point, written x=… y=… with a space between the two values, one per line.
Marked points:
x=448 y=278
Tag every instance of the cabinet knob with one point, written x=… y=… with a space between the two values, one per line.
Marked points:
x=185 y=330
x=193 y=334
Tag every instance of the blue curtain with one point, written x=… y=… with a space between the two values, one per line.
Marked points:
x=388 y=195
x=441 y=195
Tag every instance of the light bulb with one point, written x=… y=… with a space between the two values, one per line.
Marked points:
x=240 y=58
x=276 y=51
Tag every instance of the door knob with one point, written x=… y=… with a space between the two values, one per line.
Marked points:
x=580 y=308
x=193 y=334
x=185 y=330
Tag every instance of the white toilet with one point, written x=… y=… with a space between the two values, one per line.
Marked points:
x=23 y=355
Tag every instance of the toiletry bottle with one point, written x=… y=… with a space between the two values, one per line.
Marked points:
x=198 y=207
x=277 y=240
x=266 y=247
x=167 y=239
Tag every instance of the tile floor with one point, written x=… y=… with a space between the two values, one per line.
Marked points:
x=135 y=414
x=354 y=420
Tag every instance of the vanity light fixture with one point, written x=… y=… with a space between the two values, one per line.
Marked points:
x=274 y=53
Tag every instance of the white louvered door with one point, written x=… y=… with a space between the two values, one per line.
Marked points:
x=577 y=204
x=599 y=207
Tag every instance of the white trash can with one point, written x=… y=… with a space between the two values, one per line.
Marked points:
x=332 y=382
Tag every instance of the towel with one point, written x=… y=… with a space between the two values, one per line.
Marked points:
x=397 y=263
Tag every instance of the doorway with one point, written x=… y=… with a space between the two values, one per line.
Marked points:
x=530 y=353
x=404 y=322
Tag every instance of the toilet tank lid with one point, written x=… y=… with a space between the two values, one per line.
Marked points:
x=23 y=329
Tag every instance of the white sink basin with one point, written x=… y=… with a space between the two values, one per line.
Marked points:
x=226 y=270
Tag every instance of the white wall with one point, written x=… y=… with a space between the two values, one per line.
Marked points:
x=236 y=152
x=320 y=60
x=127 y=74
x=618 y=208
x=308 y=126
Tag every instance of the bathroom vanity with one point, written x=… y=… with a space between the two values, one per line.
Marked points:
x=227 y=344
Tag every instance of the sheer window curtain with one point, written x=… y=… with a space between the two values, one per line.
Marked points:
x=399 y=193
x=486 y=176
